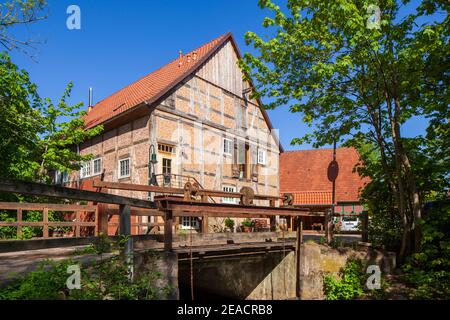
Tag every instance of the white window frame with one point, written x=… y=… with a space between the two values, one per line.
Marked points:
x=93 y=166
x=226 y=141
x=119 y=168
x=190 y=223
x=228 y=188
x=262 y=156
x=86 y=169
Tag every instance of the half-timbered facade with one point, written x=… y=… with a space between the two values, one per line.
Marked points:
x=196 y=116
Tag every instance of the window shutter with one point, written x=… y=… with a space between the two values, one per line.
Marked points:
x=235 y=166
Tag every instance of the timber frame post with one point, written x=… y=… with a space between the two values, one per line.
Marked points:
x=125 y=230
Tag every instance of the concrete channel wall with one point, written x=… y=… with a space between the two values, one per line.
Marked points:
x=271 y=276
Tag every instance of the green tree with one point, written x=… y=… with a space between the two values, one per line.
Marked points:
x=358 y=81
x=37 y=135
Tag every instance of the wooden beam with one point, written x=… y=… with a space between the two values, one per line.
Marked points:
x=125 y=230
x=230 y=209
x=19 y=221
x=45 y=221
x=201 y=192
x=168 y=235
x=298 y=254
x=136 y=212
x=365 y=227
x=40 y=189
x=136 y=187
x=50 y=206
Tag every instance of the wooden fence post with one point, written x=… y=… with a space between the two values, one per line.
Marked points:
x=298 y=255
x=45 y=222
x=77 y=225
x=125 y=230
x=103 y=217
x=168 y=235
x=365 y=226
x=19 y=221
x=205 y=224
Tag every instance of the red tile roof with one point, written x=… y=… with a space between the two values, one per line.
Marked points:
x=304 y=173
x=152 y=86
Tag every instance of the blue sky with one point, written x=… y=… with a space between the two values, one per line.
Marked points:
x=121 y=41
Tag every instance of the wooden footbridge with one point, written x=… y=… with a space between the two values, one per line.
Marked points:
x=171 y=204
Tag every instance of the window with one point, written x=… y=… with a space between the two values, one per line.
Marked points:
x=227 y=146
x=97 y=166
x=86 y=169
x=65 y=177
x=124 y=168
x=61 y=177
x=166 y=148
x=90 y=168
x=241 y=159
x=167 y=166
x=190 y=223
x=229 y=189
x=261 y=156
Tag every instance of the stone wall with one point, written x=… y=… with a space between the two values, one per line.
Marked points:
x=162 y=264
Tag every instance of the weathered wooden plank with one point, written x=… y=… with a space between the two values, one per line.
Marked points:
x=45 y=221
x=50 y=206
x=168 y=233
x=77 y=225
x=50 y=224
x=214 y=209
x=201 y=192
x=136 y=212
x=19 y=221
x=40 y=189
x=298 y=246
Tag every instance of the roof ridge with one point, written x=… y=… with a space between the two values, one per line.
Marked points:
x=318 y=149
x=162 y=66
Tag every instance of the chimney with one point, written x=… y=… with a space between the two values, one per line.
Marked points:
x=194 y=55
x=188 y=58
x=180 y=62
x=90 y=100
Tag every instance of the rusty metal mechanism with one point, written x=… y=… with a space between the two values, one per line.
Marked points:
x=247 y=196
x=191 y=191
x=288 y=199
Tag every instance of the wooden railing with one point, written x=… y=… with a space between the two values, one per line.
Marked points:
x=77 y=224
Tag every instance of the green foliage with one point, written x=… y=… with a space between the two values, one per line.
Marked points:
x=229 y=223
x=360 y=85
x=429 y=270
x=37 y=135
x=349 y=285
x=47 y=282
x=247 y=223
x=106 y=279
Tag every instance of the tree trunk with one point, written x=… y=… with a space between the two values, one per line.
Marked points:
x=405 y=244
x=412 y=189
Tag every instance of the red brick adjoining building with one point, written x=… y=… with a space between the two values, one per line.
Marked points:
x=304 y=174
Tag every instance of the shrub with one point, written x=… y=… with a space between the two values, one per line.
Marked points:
x=429 y=270
x=229 y=223
x=349 y=286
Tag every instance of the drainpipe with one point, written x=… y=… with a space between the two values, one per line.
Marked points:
x=78 y=174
